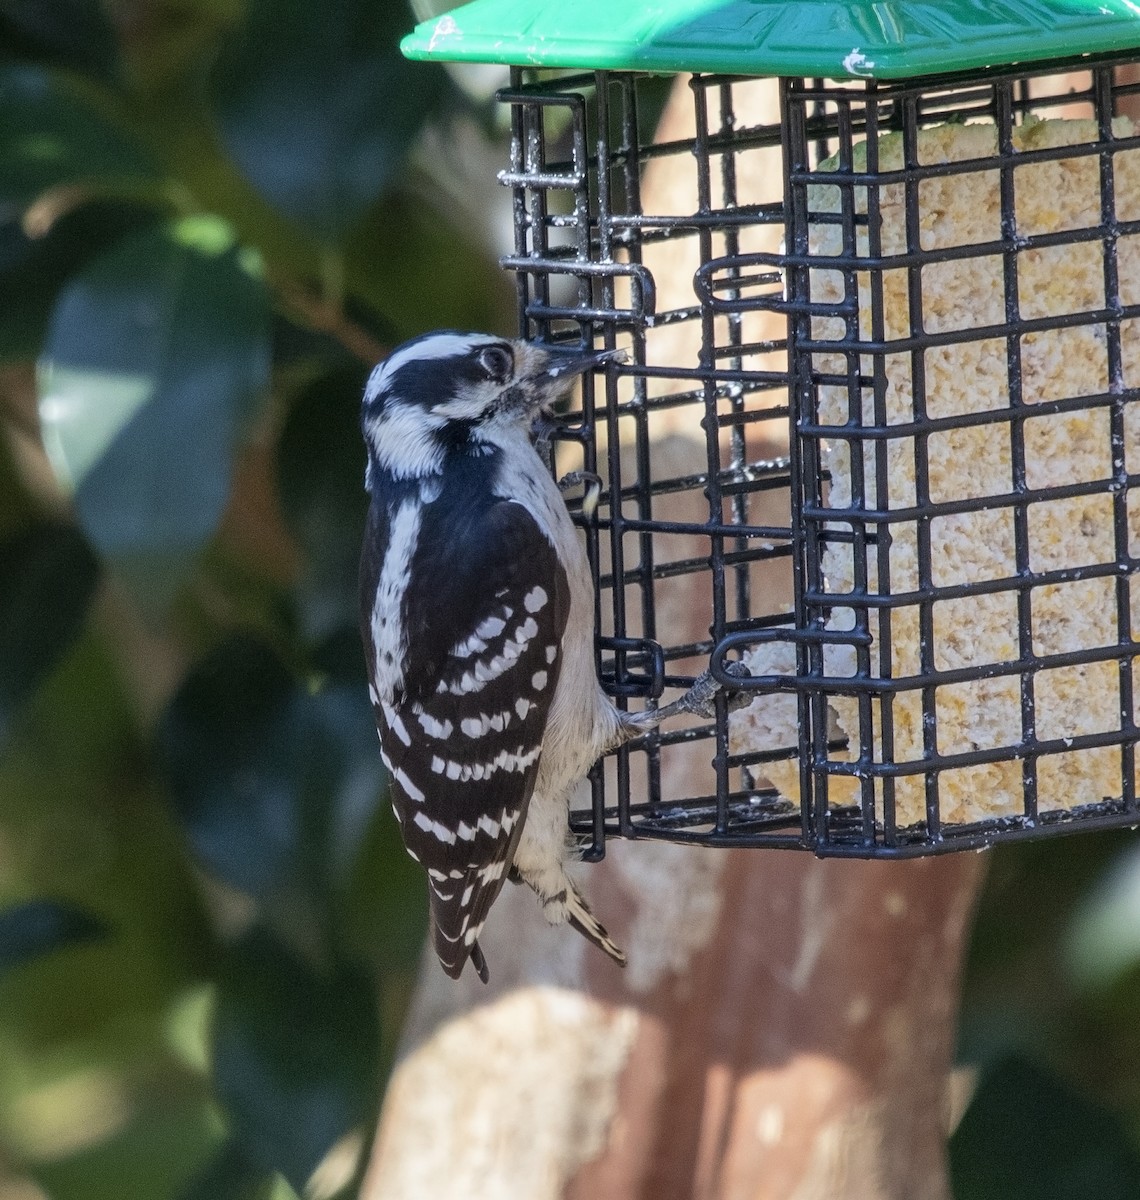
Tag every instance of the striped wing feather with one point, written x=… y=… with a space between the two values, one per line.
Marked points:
x=462 y=740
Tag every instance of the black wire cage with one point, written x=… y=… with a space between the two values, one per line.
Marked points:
x=875 y=439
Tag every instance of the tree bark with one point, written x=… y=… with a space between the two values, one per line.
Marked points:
x=785 y=1029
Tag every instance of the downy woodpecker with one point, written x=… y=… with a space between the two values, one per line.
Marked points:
x=477 y=615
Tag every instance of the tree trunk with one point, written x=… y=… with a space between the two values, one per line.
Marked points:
x=785 y=1029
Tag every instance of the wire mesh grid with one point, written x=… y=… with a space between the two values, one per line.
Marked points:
x=874 y=438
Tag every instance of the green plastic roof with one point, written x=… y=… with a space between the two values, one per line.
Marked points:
x=884 y=39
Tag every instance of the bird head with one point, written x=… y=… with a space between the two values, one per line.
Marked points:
x=447 y=392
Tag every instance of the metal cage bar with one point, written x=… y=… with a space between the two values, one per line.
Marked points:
x=797 y=439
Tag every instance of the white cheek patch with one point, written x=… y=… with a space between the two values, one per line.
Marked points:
x=404 y=441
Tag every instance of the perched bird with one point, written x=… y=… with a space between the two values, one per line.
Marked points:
x=477 y=615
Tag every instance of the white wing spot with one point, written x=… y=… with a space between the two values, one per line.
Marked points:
x=466 y=832
x=435 y=828
x=465 y=899
x=538 y=680
x=491 y=627
x=535 y=599
x=551 y=653
x=522 y=707
x=396 y=724
x=404 y=780
x=473 y=645
x=488 y=825
x=437 y=764
x=492 y=871
x=454 y=770
x=525 y=632
x=433 y=727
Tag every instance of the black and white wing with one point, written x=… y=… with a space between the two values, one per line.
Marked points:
x=462 y=733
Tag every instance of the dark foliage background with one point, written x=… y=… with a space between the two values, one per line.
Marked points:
x=215 y=215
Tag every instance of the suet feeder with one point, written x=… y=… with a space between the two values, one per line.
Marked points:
x=877 y=436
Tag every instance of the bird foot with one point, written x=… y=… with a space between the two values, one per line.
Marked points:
x=593 y=485
x=698 y=701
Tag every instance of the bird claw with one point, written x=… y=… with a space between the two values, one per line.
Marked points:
x=593 y=484
x=700 y=699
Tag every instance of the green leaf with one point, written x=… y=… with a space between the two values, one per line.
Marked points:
x=66 y=33
x=38 y=927
x=318 y=106
x=1102 y=943
x=34 y=270
x=295 y=1055
x=50 y=135
x=155 y=358
x=275 y=787
x=173 y=1132
x=228 y=1176
x=386 y=908
x=1028 y=1136
x=229 y=744
x=320 y=469
x=47 y=577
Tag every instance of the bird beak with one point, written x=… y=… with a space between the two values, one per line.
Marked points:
x=564 y=363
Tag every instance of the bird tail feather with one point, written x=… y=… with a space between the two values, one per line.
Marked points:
x=579 y=915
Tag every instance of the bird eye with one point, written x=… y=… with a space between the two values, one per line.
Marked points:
x=497 y=361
